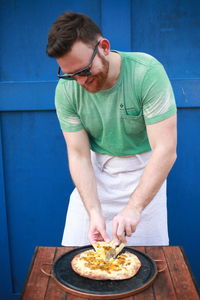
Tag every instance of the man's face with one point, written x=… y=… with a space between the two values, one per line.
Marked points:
x=78 y=58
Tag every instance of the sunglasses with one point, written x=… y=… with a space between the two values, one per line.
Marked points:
x=82 y=72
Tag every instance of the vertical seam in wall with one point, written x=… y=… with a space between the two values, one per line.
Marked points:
x=100 y=8
x=5 y=205
x=131 y=19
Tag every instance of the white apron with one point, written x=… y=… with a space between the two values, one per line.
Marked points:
x=117 y=178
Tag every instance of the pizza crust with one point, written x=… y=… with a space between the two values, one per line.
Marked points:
x=90 y=264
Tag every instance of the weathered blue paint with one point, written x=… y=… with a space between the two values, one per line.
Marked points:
x=26 y=25
x=169 y=30
x=33 y=95
x=116 y=23
x=34 y=180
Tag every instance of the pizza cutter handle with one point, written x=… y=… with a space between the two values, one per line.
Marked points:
x=164 y=267
x=43 y=271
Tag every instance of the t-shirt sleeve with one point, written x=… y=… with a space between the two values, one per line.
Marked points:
x=157 y=95
x=65 y=110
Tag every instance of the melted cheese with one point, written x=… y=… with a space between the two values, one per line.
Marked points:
x=102 y=248
x=94 y=261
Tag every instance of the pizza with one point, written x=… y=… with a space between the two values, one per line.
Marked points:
x=92 y=264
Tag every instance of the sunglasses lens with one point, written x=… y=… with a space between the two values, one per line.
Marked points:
x=69 y=78
x=84 y=73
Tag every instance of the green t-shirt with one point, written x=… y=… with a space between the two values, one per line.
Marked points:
x=115 y=119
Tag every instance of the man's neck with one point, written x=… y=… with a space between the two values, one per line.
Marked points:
x=114 y=70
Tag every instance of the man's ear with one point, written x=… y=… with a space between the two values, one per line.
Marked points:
x=105 y=46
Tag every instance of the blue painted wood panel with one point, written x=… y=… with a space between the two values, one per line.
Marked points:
x=39 y=95
x=26 y=25
x=169 y=30
x=34 y=179
x=184 y=188
x=37 y=185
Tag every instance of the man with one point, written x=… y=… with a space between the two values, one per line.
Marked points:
x=118 y=117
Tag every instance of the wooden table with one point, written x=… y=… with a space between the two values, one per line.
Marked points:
x=175 y=282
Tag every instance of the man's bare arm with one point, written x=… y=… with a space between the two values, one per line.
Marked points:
x=81 y=168
x=84 y=178
x=163 y=138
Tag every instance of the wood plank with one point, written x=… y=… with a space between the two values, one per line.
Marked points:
x=139 y=248
x=37 y=282
x=147 y=293
x=190 y=270
x=72 y=297
x=127 y=298
x=163 y=285
x=54 y=292
x=144 y=295
x=180 y=274
x=37 y=100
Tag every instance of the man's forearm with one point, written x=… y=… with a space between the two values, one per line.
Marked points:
x=83 y=176
x=153 y=176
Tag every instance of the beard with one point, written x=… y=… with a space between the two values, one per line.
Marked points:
x=95 y=83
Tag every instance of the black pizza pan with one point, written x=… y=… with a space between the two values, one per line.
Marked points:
x=75 y=284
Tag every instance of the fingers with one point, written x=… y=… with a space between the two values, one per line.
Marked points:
x=121 y=233
x=104 y=235
x=121 y=229
x=97 y=234
x=95 y=238
x=129 y=229
x=118 y=231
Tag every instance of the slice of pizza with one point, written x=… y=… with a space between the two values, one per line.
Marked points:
x=103 y=248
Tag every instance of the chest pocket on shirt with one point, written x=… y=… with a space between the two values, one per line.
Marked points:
x=133 y=122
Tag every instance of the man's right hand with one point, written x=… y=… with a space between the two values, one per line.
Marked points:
x=97 y=229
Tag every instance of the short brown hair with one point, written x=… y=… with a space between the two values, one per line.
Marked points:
x=68 y=28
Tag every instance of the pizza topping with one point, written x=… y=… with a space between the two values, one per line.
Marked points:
x=102 y=248
x=94 y=261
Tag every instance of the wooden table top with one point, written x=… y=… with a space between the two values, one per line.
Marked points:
x=175 y=282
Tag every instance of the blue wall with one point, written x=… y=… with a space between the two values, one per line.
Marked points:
x=34 y=180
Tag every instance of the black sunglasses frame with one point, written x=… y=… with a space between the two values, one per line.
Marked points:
x=82 y=72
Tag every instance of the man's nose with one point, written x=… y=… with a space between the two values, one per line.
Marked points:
x=81 y=79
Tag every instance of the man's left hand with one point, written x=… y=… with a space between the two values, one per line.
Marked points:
x=125 y=223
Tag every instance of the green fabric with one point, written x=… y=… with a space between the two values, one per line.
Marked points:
x=116 y=119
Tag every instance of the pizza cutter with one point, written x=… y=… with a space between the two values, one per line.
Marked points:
x=112 y=253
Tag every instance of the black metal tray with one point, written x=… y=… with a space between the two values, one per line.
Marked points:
x=104 y=289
